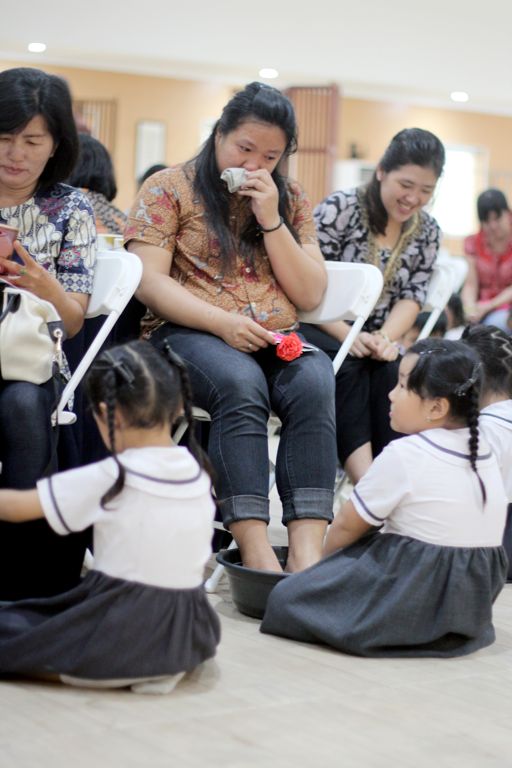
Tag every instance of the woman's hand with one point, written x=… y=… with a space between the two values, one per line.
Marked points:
x=29 y=275
x=364 y=345
x=475 y=313
x=32 y=277
x=244 y=334
x=260 y=187
x=384 y=349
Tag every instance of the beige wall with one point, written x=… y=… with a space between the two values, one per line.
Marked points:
x=185 y=105
x=372 y=124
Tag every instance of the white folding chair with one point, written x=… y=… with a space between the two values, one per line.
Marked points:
x=351 y=294
x=439 y=291
x=458 y=265
x=116 y=277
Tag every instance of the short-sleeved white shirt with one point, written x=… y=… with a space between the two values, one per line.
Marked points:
x=157 y=531
x=423 y=486
x=496 y=424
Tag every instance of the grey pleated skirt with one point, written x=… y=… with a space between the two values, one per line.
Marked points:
x=108 y=628
x=390 y=595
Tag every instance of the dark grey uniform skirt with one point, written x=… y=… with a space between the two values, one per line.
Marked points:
x=108 y=628
x=390 y=595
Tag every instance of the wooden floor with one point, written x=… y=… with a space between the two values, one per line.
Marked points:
x=265 y=701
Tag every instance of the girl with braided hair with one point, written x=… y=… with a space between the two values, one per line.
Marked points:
x=494 y=348
x=140 y=616
x=423 y=584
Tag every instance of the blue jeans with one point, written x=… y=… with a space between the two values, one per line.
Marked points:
x=499 y=318
x=238 y=390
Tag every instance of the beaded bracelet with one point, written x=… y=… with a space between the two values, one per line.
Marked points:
x=273 y=229
x=384 y=336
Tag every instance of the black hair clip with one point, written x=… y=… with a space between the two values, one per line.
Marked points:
x=122 y=369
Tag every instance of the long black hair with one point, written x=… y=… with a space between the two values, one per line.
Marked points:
x=260 y=103
x=149 y=386
x=26 y=93
x=411 y=146
x=451 y=370
x=494 y=348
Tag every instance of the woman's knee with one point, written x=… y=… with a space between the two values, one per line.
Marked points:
x=23 y=403
x=312 y=384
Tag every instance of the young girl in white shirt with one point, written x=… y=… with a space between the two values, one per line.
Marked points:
x=424 y=584
x=494 y=348
x=140 y=617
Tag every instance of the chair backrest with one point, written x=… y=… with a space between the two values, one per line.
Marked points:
x=116 y=277
x=352 y=292
x=458 y=265
x=439 y=291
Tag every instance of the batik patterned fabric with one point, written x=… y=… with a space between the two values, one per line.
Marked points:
x=344 y=235
x=57 y=229
x=167 y=213
x=109 y=219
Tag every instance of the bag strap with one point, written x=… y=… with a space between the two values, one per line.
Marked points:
x=11 y=305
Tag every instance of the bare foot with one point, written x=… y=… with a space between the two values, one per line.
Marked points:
x=255 y=549
x=306 y=538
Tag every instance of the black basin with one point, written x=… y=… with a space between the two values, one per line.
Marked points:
x=250 y=588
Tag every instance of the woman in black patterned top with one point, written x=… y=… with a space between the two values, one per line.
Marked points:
x=383 y=224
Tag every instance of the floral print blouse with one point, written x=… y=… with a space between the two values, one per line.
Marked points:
x=167 y=213
x=344 y=235
x=57 y=228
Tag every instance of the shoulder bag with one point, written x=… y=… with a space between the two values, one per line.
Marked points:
x=31 y=335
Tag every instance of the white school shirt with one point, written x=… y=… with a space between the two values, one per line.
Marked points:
x=496 y=424
x=423 y=486
x=157 y=531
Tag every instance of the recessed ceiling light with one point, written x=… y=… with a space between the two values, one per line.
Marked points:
x=36 y=47
x=268 y=73
x=459 y=96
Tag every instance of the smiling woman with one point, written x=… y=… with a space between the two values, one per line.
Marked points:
x=53 y=258
x=383 y=224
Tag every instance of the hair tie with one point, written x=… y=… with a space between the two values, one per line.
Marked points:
x=122 y=369
x=462 y=389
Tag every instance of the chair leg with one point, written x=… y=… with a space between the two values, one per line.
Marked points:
x=212 y=583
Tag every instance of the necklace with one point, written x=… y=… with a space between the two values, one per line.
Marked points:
x=373 y=256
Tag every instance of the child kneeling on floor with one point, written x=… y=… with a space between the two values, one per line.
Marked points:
x=140 y=617
x=494 y=347
x=425 y=583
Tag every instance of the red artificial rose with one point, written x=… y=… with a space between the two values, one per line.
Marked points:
x=289 y=348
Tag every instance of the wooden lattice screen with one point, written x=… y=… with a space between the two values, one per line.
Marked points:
x=317 y=110
x=99 y=118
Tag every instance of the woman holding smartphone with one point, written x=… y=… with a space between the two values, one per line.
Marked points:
x=52 y=257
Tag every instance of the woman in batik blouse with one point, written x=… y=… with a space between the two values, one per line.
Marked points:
x=53 y=258
x=223 y=273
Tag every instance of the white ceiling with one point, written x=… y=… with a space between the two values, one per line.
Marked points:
x=417 y=52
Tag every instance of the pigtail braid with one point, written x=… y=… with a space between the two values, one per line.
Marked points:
x=110 y=402
x=473 y=396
